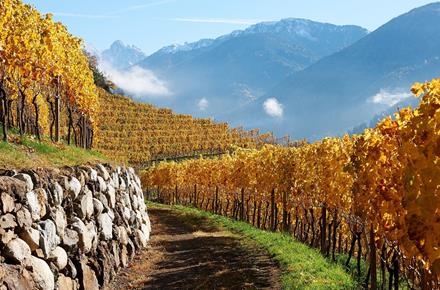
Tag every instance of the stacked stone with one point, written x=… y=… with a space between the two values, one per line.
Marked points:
x=71 y=228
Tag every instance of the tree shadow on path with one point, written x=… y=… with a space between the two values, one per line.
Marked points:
x=188 y=252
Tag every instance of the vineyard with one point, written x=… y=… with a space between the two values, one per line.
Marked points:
x=374 y=197
x=46 y=85
x=47 y=88
x=139 y=133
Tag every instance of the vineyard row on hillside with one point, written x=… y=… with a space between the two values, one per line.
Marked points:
x=375 y=196
x=46 y=84
x=139 y=133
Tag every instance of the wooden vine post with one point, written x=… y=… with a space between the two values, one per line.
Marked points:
x=373 y=273
x=323 y=229
x=242 y=204
x=195 y=196
x=216 y=200
x=285 y=224
x=4 y=113
x=57 y=112
x=272 y=210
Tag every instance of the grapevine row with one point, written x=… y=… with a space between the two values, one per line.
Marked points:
x=374 y=196
x=139 y=133
x=46 y=85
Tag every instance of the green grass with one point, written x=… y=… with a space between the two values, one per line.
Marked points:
x=28 y=152
x=302 y=267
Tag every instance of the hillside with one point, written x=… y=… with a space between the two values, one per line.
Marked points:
x=337 y=92
x=238 y=209
x=27 y=152
x=138 y=133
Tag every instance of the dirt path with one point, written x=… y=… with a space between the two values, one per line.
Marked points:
x=187 y=252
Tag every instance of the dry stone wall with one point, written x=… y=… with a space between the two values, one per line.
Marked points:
x=69 y=228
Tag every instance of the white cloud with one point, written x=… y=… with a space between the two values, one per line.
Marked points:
x=203 y=104
x=248 y=94
x=273 y=108
x=136 y=81
x=218 y=20
x=389 y=98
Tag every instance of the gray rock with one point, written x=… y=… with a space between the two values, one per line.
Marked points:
x=123 y=236
x=93 y=233
x=8 y=202
x=57 y=193
x=146 y=229
x=15 y=278
x=105 y=226
x=141 y=238
x=103 y=171
x=85 y=235
x=102 y=184
x=111 y=196
x=66 y=283
x=26 y=179
x=13 y=186
x=142 y=205
x=8 y=221
x=74 y=187
x=115 y=178
x=124 y=256
x=87 y=204
x=126 y=214
x=17 y=250
x=59 y=217
x=24 y=218
x=111 y=214
x=36 y=201
x=122 y=184
x=31 y=237
x=93 y=174
x=49 y=239
x=138 y=217
x=59 y=257
x=115 y=252
x=134 y=202
x=97 y=206
x=70 y=269
x=6 y=236
x=41 y=274
x=70 y=238
x=89 y=280
x=103 y=199
x=126 y=200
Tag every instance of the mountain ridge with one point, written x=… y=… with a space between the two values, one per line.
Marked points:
x=122 y=56
x=334 y=91
x=324 y=80
x=228 y=69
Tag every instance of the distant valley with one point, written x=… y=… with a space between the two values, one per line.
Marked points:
x=295 y=76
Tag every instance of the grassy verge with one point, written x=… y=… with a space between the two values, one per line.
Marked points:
x=28 y=152
x=302 y=267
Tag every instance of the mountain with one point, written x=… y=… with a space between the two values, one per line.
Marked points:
x=235 y=69
x=352 y=85
x=122 y=56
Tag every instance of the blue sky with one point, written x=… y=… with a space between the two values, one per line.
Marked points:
x=152 y=24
